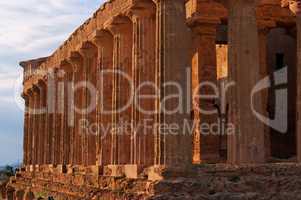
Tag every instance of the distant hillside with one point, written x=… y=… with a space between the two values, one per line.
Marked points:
x=13 y=165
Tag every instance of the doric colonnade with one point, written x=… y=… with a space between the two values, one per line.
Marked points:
x=149 y=41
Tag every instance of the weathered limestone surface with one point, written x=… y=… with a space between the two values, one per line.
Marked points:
x=204 y=78
x=247 y=143
x=104 y=42
x=209 y=182
x=295 y=7
x=173 y=38
x=73 y=145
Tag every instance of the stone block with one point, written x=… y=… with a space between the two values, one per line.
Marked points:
x=62 y=169
x=132 y=171
x=114 y=170
x=51 y=168
x=78 y=179
x=69 y=169
x=160 y=172
x=31 y=168
x=78 y=169
x=94 y=170
x=91 y=180
x=155 y=173
x=27 y=168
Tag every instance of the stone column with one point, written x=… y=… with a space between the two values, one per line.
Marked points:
x=295 y=7
x=263 y=31
x=59 y=108
x=30 y=126
x=298 y=129
x=26 y=129
x=65 y=127
x=67 y=112
x=246 y=136
x=76 y=61
x=104 y=42
x=42 y=123
x=36 y=123
x=121 y=28
x=89 y=54
x=172 y=150
x=204 y=83
x=144 y=41
x=51 y=108
x=29 y=129
x=60 y=114
x=70 y=121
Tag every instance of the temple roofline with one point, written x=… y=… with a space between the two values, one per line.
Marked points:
x=37 y=61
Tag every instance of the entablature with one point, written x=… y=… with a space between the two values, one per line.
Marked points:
x=86 y=31
x=268 y=11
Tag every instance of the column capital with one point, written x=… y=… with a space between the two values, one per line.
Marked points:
x=293 y=5
x=179 y=1
x=36 y=89
x=229 y=3
x=66 y=66
x=88 y=49
x=41 y=85
x=143 y=10
x=116 y=24
x=29 y=92
x=24 y=95
x=76 y=60
x=100 y=37
x=264 y=26
x=203 y=25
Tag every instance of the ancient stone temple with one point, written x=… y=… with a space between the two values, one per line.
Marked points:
x=98 y=108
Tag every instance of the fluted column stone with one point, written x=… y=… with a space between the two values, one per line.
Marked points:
x=295 y=7
x=51 y=109
x=144 y=39
x=42 y=123
x=104 y=42
x=246 y=141
x=121 y=28
x=172 y=150
x=76 y=61
x=68 y=113
x=89 y=54
x=263 y=31
x=204 y=84
x=36 y=124
x=26 y=129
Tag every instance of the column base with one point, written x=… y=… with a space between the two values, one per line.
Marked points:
x=51 y=168
x=78 y=175
x=160 y=172
x=37 y=168
x=94 y=170
x=114 y=170
x=31 y=168
x=61 y=169
x=210 y=159
x=43 y=168
x=78 y=169
x=132 y=171
x=69 y=169
x=27 y=168
x=92 y=175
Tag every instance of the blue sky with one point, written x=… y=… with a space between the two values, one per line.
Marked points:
x=29 y=29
